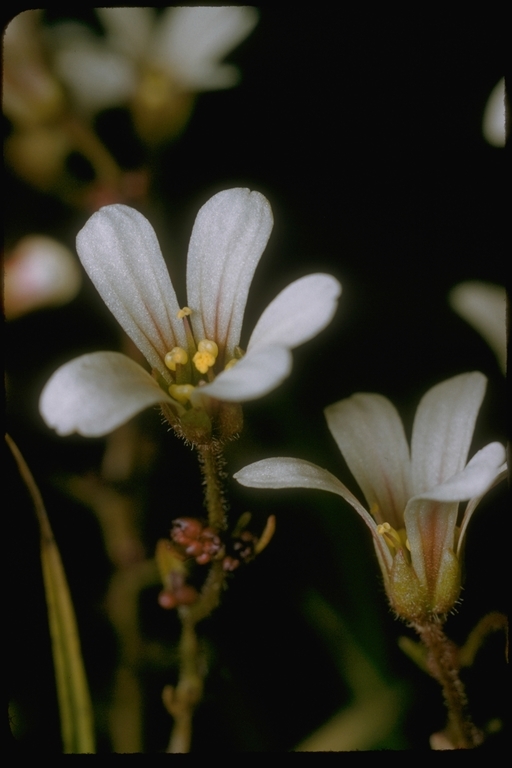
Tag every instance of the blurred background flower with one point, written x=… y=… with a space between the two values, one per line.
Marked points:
x=494 y=124
x=155 y=63
x=39 y=272
x=484 y=306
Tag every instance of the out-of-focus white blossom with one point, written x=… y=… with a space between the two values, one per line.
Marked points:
x=484 y=306
x=40 y=272
x=154 y=63
x=494 y=120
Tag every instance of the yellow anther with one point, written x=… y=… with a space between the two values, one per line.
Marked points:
x=184 y=312
x=208 y=346
x=181 y=392
x=206 y=355
x=177 y=356
x=374 y=511
x=391 y=536
x=231 y=363
x=384 y=528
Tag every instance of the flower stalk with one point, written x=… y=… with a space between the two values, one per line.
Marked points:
x=443 y=664
x=212 y=461
x=182 y=701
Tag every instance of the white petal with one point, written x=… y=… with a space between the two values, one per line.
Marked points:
x=298 y=313
x=473 y=504
x=370 y=435
x=96 y=76
x=190 y=42
x=129 y=29
x=229 y=235
x=96 y=393
x=39 y=272
x=494 y=123
x=253 y=376
x=484 y=306
x=296 y=473
x=478 y=476
x=430 y=527
x=443 y=430
x=120 y=253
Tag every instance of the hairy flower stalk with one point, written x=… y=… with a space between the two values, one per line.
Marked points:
x=413 y=501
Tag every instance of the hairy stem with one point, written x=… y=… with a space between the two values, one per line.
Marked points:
x=443 y=664
x=212 y=463
x=182 y=700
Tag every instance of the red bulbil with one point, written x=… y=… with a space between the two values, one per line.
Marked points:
x=230 y=563
x=167 y=599
x=210 y=541
x=185 y=530
x=194 y=549
x=181 y=595
x=244 y=545
x=186 y=595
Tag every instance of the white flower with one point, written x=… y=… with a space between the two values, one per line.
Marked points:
x=494 y=122
x=413 y=498
x=40 y=272
x=185 y=44
x=193 y=351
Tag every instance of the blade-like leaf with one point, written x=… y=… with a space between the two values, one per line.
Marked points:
x=75 y=706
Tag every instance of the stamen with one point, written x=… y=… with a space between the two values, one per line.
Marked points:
x=208 y=346
x=206 y=355
x=177 y=356
x=184 y=312
x=181 y=392
x=375 y=512
x=231 y=363
x=392 y=537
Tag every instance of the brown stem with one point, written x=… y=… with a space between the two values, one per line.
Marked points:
x=443 y=664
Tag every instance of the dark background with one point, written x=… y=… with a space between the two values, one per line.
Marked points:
x=363 y=129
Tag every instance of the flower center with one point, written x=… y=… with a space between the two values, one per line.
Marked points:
x=203 y=356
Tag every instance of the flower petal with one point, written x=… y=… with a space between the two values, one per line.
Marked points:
x=370 y=435
x=39 y=272
x=190 y=42
x=96 y=393
x=443 y=430
x=229 y=235
x=484 y=306
x=296 y=473
x=96 y=76
x=473 y=504
x=478 y=476
x=253 y=376
x=298 y=313
x=129 y=29
x=121 y=255
x=430 y=527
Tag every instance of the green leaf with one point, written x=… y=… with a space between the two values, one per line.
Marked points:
x=75 y=707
